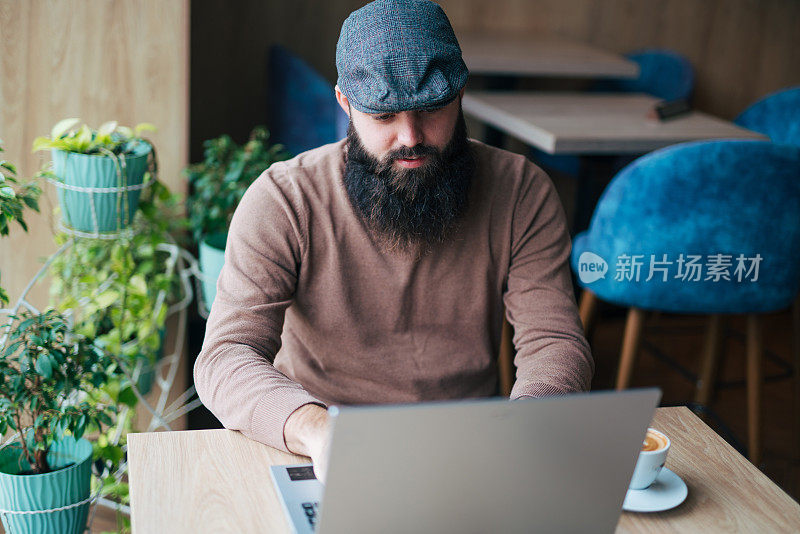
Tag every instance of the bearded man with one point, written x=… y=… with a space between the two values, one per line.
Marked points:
x=376 y=269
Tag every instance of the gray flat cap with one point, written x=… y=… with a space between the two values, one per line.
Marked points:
x=397 y=55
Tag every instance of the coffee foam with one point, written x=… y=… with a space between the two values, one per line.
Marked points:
x=654 y=441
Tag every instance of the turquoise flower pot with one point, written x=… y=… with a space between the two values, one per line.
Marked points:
x=89 y=170
x=212 y=257
x=47 y=491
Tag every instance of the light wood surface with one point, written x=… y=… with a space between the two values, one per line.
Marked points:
x=599 y=123
x=204 y=481
x=126 y=60
x=535 y=55
x=218 y=481
x=726 y=493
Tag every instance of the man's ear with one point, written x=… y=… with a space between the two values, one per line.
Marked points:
x=342 y=100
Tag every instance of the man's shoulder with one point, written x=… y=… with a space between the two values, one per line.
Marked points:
x=312 y=173
x=311 y=164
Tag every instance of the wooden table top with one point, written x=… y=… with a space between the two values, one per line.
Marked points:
x=593 y=123
x=218 y=481
x=546 y=56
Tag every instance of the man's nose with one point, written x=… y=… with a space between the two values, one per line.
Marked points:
x=410 y=130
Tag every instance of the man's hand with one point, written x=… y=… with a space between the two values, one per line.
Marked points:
x=306 y=432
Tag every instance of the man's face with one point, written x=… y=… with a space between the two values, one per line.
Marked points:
x=393 y=134
x=409 y=173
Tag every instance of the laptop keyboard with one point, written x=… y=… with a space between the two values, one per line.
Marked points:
x=310 y=508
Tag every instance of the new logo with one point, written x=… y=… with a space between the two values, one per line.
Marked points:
x=591 y=267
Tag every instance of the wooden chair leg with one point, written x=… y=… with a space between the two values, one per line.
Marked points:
x=796 y=354
x=754 y=381
x=587 y=309
x=710 y=361
x=630 y=346
x=506 y=358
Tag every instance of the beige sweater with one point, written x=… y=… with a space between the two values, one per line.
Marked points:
x=309 y=308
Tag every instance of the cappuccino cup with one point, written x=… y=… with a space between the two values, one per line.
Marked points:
x=652 y=457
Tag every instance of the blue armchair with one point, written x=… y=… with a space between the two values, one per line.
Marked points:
x=710 y=227
x=777 y=116
x=303 y=110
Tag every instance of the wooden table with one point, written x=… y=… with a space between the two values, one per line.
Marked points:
x=543 y=56
x=593 y=123
x=218 y=481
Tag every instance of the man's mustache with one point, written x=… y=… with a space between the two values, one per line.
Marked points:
x=406 y=152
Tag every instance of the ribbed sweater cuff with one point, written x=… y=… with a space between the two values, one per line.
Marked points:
x=272 y=412
x=537 y=389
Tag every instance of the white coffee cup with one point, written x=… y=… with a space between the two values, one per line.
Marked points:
x=650 y=462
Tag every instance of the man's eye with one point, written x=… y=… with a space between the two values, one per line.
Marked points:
x=434 y=110
x=384 y=117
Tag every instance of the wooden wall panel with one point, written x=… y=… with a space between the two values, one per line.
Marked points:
x=117 y=59
x=741 y=49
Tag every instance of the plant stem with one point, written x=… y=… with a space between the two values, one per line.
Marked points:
x=25 y=450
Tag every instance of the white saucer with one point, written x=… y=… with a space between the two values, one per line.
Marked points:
x=668 y=491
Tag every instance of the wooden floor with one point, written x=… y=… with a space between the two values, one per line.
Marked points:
x=670 y=340
x=105 y=520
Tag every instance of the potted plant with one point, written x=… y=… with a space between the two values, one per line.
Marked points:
x=99 y=173
x=13 y=201
x=119 y=291
x=45 y=372
x=215 y=188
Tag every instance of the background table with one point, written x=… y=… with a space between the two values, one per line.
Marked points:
x=593 y=123
x=541 y=56
x=218 y=481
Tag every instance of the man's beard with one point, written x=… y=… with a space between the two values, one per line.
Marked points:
x=411 y=208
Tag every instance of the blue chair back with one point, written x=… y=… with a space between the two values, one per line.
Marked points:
x=724 y=203
x=662 y=73
x=303 y=110
x=777 y=116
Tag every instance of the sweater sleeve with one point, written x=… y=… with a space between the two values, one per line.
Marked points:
x=234 y=373
x=553 y=356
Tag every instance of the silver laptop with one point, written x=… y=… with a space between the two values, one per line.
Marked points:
x=559 y=464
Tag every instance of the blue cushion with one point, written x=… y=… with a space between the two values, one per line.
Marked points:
x=706 y=199
x=662 y=73
x=777 y=116
x=304 y=113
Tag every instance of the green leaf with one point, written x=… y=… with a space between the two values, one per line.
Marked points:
x=128 y=397
x=8 y=166
x=31 y=202
x=105 y=419
x=84 y=138
x=44 y=366
x=80 y=426
x=138 y=283
x=107 y=298
x=125 y=131
x=63 y=127
x=143 y=127
x=107 y=128
x=41 y=143
x=7 y=192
